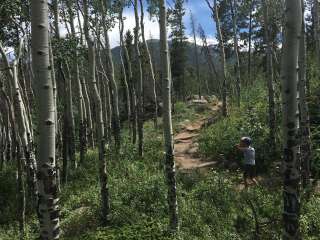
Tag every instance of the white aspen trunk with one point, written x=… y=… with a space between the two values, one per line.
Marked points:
x=23 y=147
x=76 y=79
x=223 y=61
x=212 y=67
x=150 y=65
x=215 y=15
x=70 y=117
x=305 y=146
x=125 y=75
x=106 y=100
x=316 y=30
x=167 y=120
x=48 y=209
x=132 y=92
x=236 y=49
x=250 y=40
x=111 y=77
x=193 y=29
x=88 y=112
x=104 y=191
x=139 y=79
x=55 y=5
x=289 y=76
x=269 y=76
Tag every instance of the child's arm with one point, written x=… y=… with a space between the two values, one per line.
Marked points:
x=241 y=148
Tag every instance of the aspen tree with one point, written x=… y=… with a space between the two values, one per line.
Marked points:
x=111 y=77
x=215 y=14
x=132 y=91
x=250 y=39
x=269 y=75
x=234 y=13
x=149 y=64
x=104 y=191
x=289 y=76
x=167 y=120
x=123 y=68
x=20 y=133
x=305 y=146
x=195 y=48
x=76 y=79
x=209 y=58
x=48 y=208
x=139 y=79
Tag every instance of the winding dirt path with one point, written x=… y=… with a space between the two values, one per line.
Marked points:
x=186 y=143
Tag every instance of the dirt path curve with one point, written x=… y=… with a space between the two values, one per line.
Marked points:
x=186 y=143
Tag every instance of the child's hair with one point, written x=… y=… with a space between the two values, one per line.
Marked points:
x=246 y=140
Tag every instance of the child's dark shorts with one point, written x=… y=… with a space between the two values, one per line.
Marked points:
x=249 y=171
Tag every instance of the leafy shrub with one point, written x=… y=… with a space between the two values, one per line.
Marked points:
x=219 y=140
x=8 y=202
x=310 y=222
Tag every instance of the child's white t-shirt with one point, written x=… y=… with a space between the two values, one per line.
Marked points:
x=249 y=155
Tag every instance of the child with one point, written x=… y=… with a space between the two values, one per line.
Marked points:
x=249 y=160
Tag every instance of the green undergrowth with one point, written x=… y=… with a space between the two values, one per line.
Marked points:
x=209 y=205
x=218 y=141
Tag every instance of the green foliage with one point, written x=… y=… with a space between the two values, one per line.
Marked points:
x=7 y=195
x=220 y=139
x=313 y=102
x=210 y=205
x=310 y=222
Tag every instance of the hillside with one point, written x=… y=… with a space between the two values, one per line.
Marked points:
x=154 y=51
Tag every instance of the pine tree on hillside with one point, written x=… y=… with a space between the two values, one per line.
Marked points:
x=178 y=48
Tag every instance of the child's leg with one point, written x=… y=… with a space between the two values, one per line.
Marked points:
x=253 y=175
x=245 y=176
x=255 y=181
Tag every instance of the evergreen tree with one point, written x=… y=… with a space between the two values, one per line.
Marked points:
x=178 y=48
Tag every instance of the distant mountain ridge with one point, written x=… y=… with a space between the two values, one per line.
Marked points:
x=154 y=49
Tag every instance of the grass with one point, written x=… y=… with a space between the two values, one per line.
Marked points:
x=209 y=207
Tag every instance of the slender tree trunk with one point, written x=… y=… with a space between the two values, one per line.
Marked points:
x=55 y=93
x=65 y=129
x=236 y=49
x=55 y=5
x=21 y=208
x=87 y=105
x=195 y=48
x=215 y=10
x=104 y=191
x=210 y=62
x=150 y=66
x=269 y=76
x=125 y=75
x=250 y=40
x=48 y=209
x=139 y=80
x=106 y=101
x=76 y=76
x=291 y=168
x=70 y=118
x=316 y=29
x=305 y=146
x=223 y=61
x=113 y=84
x=132 y=91
x=167 y=120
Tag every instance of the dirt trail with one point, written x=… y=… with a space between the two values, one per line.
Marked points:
x=186 y=143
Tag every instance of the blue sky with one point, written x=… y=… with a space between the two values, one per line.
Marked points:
x=199 y=9
x=202 y=15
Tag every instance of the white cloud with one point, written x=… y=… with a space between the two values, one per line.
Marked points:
x=151 y=28
x=210 y=40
